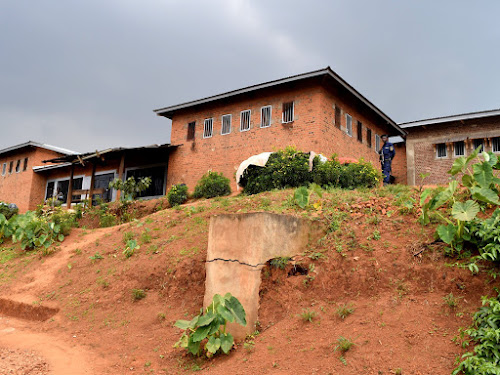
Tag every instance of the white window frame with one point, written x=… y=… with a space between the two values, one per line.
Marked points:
x=283 y=112
x=56 y=182
x=222 y=124
x=377 y=143
x=445 y=151
x=18 y=166
x=144 y=167
x=492 y=145
x=348 y=124
x=455 y=149
x=208 y=122
x=262 y=109
x=4 y=169
x=242 y=113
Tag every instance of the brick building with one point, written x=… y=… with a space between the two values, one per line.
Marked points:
x=433 y=144
x=18 y=183
x=316 y=111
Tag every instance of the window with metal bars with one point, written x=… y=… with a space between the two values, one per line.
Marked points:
x=25 y=166
x=348 y=124
x=459 y=148
x=226 y=124
x=495 y=144
x=441 y=151
x=11 y=167
x=18 y=166
x=377 y=143
x=337 y=116
x=360 y=131
x=287 y=115
x=4 y=169
x=369 y=137
x=265 y=116
x=191 y=131
x=208 y=128
x=245 y=120
x=478 y=143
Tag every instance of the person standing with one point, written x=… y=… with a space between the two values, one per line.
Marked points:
x=386 y=154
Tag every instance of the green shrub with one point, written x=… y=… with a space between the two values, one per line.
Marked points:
x=65 y=219
x=360 y=174
x=8 y=210
x=130 y=188
x=211 y=185
x=107 y=220
x=177 y=195
x=138 y=294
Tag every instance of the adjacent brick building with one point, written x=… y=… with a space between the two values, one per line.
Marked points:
x=316 y=111
x=18 y=183
x=433 y=144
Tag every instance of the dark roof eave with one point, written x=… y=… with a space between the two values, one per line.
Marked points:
x=168 y=112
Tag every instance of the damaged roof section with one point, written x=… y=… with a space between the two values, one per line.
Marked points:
x=39 y=145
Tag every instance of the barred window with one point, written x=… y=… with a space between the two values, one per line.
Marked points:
x=25 y=166
x=377 y=142
x=245 y=120
x=369 y=137
x=191 y=131
x=18 y=166
x=226 y=124
x=360 y=131
x=11 y=167
x=4 y=169
x=478 y=143
x=287 y=112
x=459 y=148
x=337 y=116
x=208 y=128
x=265 y=116
x=348 y=124
x=441 y=151
x=495 y=144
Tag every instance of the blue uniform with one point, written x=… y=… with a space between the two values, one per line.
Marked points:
x=387 y=153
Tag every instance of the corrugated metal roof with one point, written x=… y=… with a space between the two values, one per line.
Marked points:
x=460 y=117
x=169 y=111
x=39 y=145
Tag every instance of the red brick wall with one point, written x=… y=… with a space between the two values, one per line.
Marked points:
x=399 y=164
x=24 y=188
x=313 y=129
x=421 y=146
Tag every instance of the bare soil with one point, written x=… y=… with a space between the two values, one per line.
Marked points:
x=400 y=319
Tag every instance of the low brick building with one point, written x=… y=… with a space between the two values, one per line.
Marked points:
x=316 y=111
x=433 y=144
x=18 y=183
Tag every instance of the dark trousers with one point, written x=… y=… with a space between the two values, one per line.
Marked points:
x=386 y=171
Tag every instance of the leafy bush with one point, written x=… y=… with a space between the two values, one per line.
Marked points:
x=209 y=327
x=65 y=219
x=131 y=247
x=130 y=187
x=107 y=220
x=290 y=168
x=8 y=210
x=138 y=294
x=177 y=195
x=211 y=185
x=485 y=332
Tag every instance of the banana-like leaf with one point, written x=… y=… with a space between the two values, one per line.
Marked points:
x=467 y=180
x=301 y=196
x=458 y=165
x=485 y=195
x=465 y=211
x=425 y=194
x=213 y=344
x=447 y=233
x=227 y=342
x=225 y=313
x=237 y=310
x=200 y=333
x=483 y=174
x=193 y=346
x=206 y=319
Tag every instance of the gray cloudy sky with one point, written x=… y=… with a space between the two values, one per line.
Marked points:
x=86 y=74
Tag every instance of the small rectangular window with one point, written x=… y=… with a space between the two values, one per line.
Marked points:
x=25 y=166
x=348 y=124
x=478 y=143
x=377 y=142
x=11 y=167
x=265 y=116
x=337 y=116
x=360 y=131
x=4 y=169
x=495 y=144
x=18 y=166
x=226 y=124
x=50 y=190
x=369 y=137
x=208 y=128
x=459 y=148
x=191 y=131
x=245 y=120
x=441 y=151
x=287 y=112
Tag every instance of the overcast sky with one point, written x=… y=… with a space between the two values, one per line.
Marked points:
x=86 y=74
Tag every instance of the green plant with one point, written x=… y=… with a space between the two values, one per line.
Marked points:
x=96 y=256
x=8 y=210
x=206 y=332
x=344 y=310
x=211 y=185
x=302 y=194
x=107 y=220
x=280 y=262
x=451 y=300
x=130 y=248
x=127 y=236
x=138 y=294
x=130 y=188
x=177 y=195
x=146 y=236
x=343 y=344
x=485 y=332
x=307 y=315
